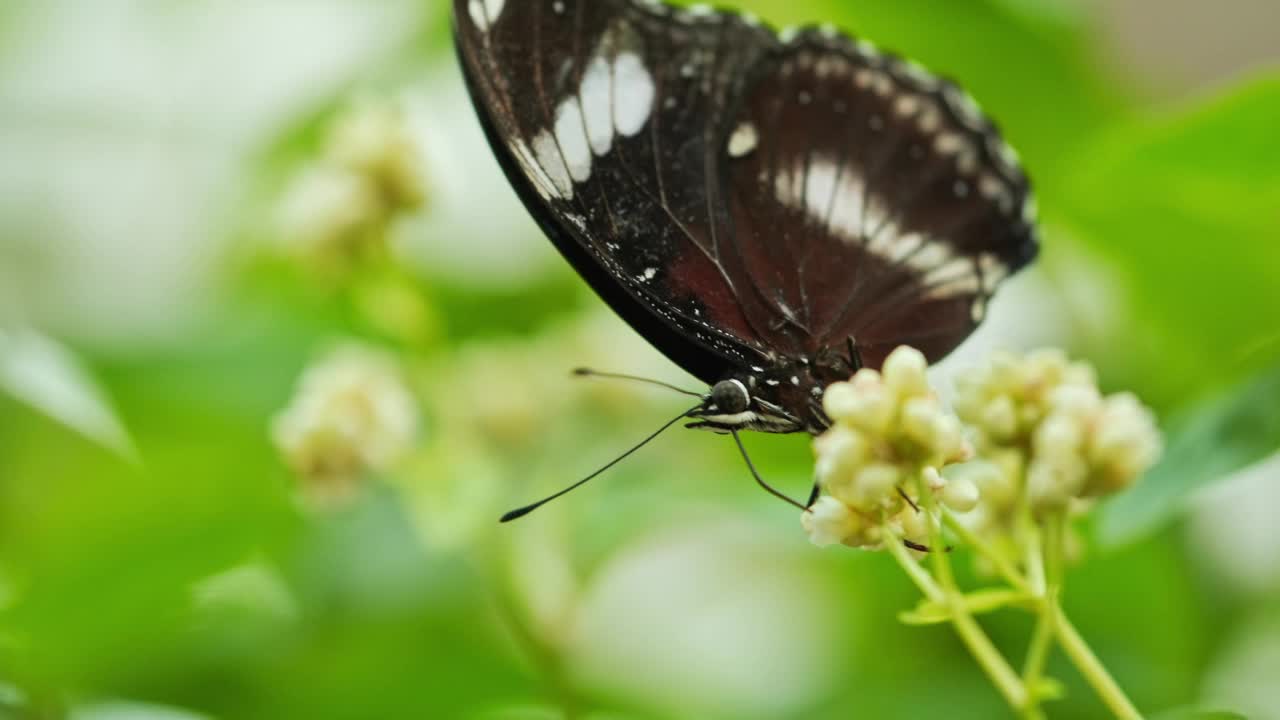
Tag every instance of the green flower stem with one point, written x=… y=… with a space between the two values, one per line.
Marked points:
x=913 y=569
x=1046 y=559
x=1002 y=565
x=973 y=636
x=1075 y=647
x=1092 y=669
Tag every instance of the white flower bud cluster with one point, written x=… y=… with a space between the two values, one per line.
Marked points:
x=887 y=428
x=1007 y=398
x=1042 y=416
x=341 y=205
x=351 y=414
x=1090 y=446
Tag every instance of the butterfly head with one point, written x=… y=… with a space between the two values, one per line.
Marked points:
x=782 y=400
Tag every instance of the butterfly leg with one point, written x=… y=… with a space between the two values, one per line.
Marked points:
x=813 y=495
x=759 y=480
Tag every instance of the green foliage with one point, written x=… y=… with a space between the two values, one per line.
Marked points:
x=153 y=548
x=1184 y=208
x=1207 y=442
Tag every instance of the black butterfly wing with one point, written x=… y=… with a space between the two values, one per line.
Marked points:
x=873 y=203
x=609 y=117
x=741 y=199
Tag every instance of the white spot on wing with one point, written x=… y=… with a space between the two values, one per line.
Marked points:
x=572 y=137
x=743 y=141
x=548 y=156
x=484 y=13
x=597 y=104
x=633 y=93
x=542 y=182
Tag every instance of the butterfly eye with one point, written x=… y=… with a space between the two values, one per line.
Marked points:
x=730 y=396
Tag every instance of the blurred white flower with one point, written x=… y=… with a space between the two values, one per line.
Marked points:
x=888 y=428
x=329 y=213
x=373 y=140
x=351 y=414
x=342 y=206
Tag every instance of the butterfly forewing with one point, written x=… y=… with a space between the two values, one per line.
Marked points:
x=610 y=112
x=745 y=200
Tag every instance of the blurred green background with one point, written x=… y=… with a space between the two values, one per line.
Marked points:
x=158 y=559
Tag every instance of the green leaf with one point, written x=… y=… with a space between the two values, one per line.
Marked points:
x=978 y=602
x=1184 y=209
x=1036 y=76
x=1207 y=443
x=44 y=374
x=1049 y=689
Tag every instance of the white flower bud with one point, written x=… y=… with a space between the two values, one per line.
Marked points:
x=994 y=476
x=961 y=495
x=840 y=452
x=914 y=525
x=949 y=441
x=920 y=420
x=871 y=409
x=1125 y=444
x=904 y=372
x=933 y=478
x=1000 y=418
x=840 y=401
x=831 y=522
x=1078 y=402
x=1051 y=485
x=873 y=487
x=1059 y=436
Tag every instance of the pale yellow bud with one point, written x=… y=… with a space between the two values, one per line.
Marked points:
x=994 y=475
x=1059 y=436
x=872 y=409
x=949 y=441
x=840 y=401
x=920 y=420
x=914 y=525
x=904 y=372
x=1078 y=402
x=961 y=495
x=829 y=522
x=1051 y=485
x=1125 y=444
x=1000 y=418
x=873 y=487
x=840 y=452
x=933 y=478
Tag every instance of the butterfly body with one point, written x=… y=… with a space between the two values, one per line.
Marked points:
x=770 y=211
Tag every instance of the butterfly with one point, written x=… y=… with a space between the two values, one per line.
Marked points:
x=772 y=211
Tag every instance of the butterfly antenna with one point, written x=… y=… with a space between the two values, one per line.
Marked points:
x=768 y=488
x=521 y=512
x=588 y=372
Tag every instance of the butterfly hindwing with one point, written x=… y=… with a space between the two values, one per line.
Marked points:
x=873 y=199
